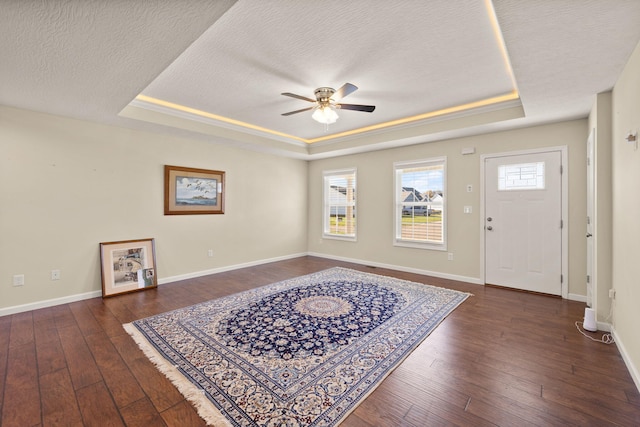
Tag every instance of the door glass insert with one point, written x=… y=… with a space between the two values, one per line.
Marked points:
x=523 y=176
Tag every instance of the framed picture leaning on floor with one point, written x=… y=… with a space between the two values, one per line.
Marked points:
x=128 y=266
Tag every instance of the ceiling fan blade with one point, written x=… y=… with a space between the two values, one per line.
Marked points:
x=293 y=95
x=355 y=107
x=345 y=90
x=298 y=111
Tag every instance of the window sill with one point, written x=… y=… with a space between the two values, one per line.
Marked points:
x=337 y=237
x=420 y=245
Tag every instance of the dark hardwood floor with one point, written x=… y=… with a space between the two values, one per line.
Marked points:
x=502 y=358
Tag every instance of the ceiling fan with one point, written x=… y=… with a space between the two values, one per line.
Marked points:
x=326 y=103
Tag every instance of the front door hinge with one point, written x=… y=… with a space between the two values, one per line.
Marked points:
x=561 y=278
x=588 y=279
x=561 y=223
x=561 y=170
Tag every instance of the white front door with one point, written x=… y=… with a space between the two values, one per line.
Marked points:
x=523 y=221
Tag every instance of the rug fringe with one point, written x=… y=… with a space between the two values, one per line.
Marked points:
x=191 y=392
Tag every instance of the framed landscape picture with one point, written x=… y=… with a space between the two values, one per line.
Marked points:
x=128 y=266
x=189 y=191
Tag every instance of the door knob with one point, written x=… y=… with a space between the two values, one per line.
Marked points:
x=589 y=234
x=489 y=228
x=489 y=219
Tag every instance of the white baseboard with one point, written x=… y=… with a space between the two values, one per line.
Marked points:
x=473 y=280
x=577 y=297
x=604 y=326
x=48 y=303
x=164 y=280
x=195 y=274
x=633 y=371
x=93 y=294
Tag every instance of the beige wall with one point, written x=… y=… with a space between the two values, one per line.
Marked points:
x=375 y=201
x=66 y=185
x=626 y=214
x=72 y=184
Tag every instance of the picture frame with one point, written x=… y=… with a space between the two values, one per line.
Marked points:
x=191 y=191
x=128 y=266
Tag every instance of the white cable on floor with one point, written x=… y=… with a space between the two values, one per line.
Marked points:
x=606 y=338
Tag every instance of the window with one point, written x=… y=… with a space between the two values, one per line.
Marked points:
x=420 y=208
x=340 y=204
x=524 y=176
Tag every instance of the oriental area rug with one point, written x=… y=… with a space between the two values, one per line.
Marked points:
x=301 y=352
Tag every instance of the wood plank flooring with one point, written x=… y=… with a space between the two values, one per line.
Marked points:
x=502 y=358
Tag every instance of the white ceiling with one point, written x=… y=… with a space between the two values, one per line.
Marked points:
x=216 y=69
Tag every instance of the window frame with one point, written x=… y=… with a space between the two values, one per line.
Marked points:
x=326 y=206
x=398 y=167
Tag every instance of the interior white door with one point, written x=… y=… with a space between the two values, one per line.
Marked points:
x=523 y=222
x=591 y=284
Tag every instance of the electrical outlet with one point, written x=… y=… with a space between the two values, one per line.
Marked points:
x=612 y=293
x=55 y=274
x=450 y=256
x=18 y=280
x=210 y=253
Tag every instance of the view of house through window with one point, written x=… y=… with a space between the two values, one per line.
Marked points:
x=340 y=203
x=420 y=207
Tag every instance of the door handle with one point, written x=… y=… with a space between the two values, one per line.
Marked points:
x=589 y=234
x=489 y=219
x=489 y=228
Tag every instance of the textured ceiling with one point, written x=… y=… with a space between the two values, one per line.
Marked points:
x=215 y=70
x=400 y=57
x=89 y=58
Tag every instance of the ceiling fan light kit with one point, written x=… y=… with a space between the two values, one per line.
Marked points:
x=325 y=114
x=326 y=103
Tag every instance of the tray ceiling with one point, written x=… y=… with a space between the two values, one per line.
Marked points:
x=216 y=70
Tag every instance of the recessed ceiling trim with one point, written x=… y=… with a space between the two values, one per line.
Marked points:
x=466 y=109
x=199 y=125
x=167 y=107
x=443 y=127
x=514 y=107
x=497 y=32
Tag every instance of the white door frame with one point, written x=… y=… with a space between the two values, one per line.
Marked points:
x=592 y=285
x=564 y=179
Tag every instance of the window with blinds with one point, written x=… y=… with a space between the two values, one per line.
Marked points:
x=420 y=209
x=339 y=217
